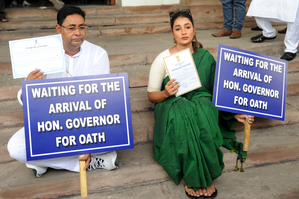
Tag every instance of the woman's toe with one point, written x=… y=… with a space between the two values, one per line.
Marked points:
x=205 y=193
x=201 y=192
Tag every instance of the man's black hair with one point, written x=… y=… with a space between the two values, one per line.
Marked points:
x=68 y=10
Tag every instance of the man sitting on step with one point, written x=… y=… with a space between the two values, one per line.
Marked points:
x=267 y=11
x=81 y=58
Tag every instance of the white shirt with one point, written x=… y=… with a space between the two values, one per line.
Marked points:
x=157 y=73
x=283 y=10
x=90 y=60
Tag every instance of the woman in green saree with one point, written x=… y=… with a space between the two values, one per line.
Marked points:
x=188 y=131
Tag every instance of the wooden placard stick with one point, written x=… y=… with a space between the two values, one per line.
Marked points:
x=83 y=182
x=246 y=136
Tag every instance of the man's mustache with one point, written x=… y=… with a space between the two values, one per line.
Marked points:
x=77 y=38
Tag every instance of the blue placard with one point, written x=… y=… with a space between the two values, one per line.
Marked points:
x=250 y=83
x=77 y=115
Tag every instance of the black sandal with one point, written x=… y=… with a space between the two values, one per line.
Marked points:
x=260 y=38
x=288 y=56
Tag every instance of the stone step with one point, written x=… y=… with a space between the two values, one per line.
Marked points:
x=49 y=23
x=200 y=2
x=120 y=21
x=205 y=11
x=204 y=2
x=260 y=184
x=142 y=49
x=13 y=32
x=151 y=45
x=138 y=74
x=199 y=9
x=138 y=77
x=137 y=168
x=95 y=10
x=159 y=28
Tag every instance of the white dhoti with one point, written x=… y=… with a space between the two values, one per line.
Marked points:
x=284 y=10
x=291 y=39
x=17 y=150
x=267 y=11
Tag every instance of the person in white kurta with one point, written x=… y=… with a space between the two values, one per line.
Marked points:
x=267 y=11
x=81 y=58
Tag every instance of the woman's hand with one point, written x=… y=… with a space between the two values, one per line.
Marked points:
x=171 y=88
x=86 y=158
x=242 y=118
x=36 y=74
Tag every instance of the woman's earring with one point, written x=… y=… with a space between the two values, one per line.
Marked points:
x=194 y=38
x=174 y=41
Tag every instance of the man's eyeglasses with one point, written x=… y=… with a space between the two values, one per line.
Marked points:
x=180 y=12
x=73 y=28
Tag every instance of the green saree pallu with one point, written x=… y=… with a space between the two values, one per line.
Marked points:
x=187 y=133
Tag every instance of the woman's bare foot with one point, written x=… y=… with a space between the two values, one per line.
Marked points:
x=210 y=190
x=191 y=192
x=200 y=192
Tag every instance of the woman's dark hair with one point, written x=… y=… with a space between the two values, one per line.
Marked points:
x=184 y=13
x=68 y=10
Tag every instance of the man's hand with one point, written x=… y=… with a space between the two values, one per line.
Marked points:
x=242 y=118
x=86 y=158
x=36 y=74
